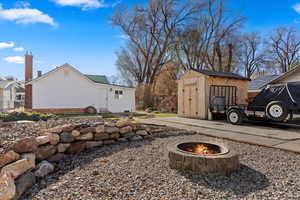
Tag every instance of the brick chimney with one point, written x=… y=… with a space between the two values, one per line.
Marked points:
x=28 y=77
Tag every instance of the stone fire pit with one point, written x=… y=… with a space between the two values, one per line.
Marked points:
x=202 y=157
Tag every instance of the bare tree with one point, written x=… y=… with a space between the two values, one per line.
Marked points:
x=209 y=42
x=251 y=54
x=283 y=47
x=150 y=32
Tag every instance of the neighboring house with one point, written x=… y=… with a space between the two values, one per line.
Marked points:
x=20 y=95
x=258 y=84
x=7 y=94
x=66 y=90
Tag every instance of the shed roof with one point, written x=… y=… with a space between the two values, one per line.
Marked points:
x=221 y=74
x=261 y=82
x=98 y=78
x=5 y=83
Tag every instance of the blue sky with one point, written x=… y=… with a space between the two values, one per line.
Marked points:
x=78 y=31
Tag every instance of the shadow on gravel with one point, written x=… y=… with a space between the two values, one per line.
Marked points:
x=246 y=180
x=79 y=160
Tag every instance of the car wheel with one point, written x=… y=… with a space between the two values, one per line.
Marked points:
x=234 y=117
x=276 y=111
x=91 y=110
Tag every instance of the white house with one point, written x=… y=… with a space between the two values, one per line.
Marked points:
x=66 y=90
x=7 y=94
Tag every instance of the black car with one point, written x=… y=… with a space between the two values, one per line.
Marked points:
x=276 y=103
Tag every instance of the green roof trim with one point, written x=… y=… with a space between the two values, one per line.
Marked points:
x=98 y=78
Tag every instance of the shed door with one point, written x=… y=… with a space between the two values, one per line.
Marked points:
x=190 y=95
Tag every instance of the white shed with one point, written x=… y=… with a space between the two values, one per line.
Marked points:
x=66 y=90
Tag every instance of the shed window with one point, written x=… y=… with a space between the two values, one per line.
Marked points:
x=118 y=94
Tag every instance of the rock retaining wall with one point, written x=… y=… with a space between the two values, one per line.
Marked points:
x=34 y=157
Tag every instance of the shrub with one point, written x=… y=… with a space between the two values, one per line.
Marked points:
x=32 y=116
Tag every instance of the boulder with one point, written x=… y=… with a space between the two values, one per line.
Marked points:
x=66 y=137
x=111 y=130
x=123 y=123
x=142 y=133
x=148 y=137
x=99 y=129
x=57 y=157
x=76 y=147
x=45 y=152
x=75 y=133
x=42 y=139
x=114 y=136
x=25 y=145
x=136 y=138
x=85 y=137
x=23 y=183
x=128 y=135
x=54 y=138
x=93 y=144
x=126 y=129
x=19 y=167
x=8 y=157
x=43 y=169
x=68 y=127
x=101 y=136
x=7 y=186
x=122 y=140
x=109 y=124
x=107 y=142
x=88 y=129
x=62 y=147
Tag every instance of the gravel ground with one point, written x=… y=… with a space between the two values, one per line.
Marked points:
x=140 y=172
x=10 y=133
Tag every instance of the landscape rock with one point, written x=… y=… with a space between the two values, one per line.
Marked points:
x=136 y=138
x=19 y=167
x=62 y=147
x=76 y=147
x=45 y=152
x=111 y=130
x=44 y=168
x=7 y=186
x=110 y=124
x=75 y=133
x=25 y=145
x=54 y=138
x=86 y=137
x=56 y=157
x=66 y=137
x=101 y=136
x=142 y=133
x=88 y=129
x=126 y=129
x=128 y=135
x=115 y=136
x=99 y=129
x=93 y=144
x=57 y=129
x=107 y=142
x=123 y=123
x=42 y=139
x=122 y=140
x=23 y=183
x=8 y=157
x=68 y=127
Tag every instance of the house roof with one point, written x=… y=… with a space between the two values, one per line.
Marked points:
x=286 y=74
x=5 y=83
x=220 y=74
x=98 y=78
x=261 y=82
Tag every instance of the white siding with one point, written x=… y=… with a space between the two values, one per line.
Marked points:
x=294 y=77
x=67 y=88
x=7 y=98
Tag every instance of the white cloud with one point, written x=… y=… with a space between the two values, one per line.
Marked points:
x=25 y=16
x=15 y=59
x=124 y=37
x=22 y=4
x=84 y=4
x=4 y=45
x=19 y=49
x=296 y=7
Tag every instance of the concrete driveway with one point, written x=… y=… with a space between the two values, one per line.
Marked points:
x=269 y=135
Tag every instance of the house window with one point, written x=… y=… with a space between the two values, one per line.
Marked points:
x=118 y=94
